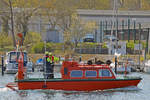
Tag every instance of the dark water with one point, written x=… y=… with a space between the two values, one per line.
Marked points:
x=142 y=92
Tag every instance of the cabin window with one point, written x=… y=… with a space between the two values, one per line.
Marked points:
x=76 y=73
x=15 y=55
x=104 y=73
x=90 y=73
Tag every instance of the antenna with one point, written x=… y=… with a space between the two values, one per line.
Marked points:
x=45 y=45
x=45 y=59
x=112 y=28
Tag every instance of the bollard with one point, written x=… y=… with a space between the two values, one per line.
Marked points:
x=2 y=65
x=116 y=64
x=59 y=58
x=80 y=59
x=95 y=60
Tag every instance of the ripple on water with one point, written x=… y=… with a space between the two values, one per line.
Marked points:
x=129 y=93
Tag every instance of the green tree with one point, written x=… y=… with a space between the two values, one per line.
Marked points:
x=8 y=10
x=24 y=11
x=94 y=4
x=5 y=40
x=32 y=38
x=79 y=28
x=5 y=24
x=49 y=9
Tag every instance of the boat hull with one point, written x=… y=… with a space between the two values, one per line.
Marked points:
x=76 y=84
x=14 y=71
x=122 y=70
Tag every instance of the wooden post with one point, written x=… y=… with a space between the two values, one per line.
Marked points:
x=147 y=39
x=128 y=30
x=134 y=31
x=126 y=68
x=116 y=64
x=2 y=65
x=117 y=28
x=101 y=31
x=123 y=29
x=139 y=43
x=80 y=59
x=106 y=26
x=95 y=36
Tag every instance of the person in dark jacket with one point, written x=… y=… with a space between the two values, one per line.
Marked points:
x=47 y=66
x=52 y=59
x=49 y=60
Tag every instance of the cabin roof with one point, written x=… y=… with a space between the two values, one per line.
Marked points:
x=93 y=65
x=16 y=51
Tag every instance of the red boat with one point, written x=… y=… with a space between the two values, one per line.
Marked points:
x=76 y=77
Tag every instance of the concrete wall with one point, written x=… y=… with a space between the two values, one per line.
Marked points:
x=39 y=23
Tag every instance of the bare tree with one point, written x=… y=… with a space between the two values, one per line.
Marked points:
x=77 y=29
x=5 y=24
x=5 y=17
x=22 y=19
x=12 y=23
x=8 y=8
x=59 y=14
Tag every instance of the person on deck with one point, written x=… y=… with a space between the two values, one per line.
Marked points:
x=52 y=59
x=47 y=65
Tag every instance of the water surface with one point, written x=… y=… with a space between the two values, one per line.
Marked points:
x=142 y=92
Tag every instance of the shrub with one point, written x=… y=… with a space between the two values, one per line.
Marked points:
x=38 y=48
x=130 y=45
x=104 y=45
x=141 y=58
x=32 y=38
x=87 y=45
x=144 y=44
x=5 y=40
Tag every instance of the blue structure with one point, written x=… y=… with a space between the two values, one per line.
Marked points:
x=89 y=38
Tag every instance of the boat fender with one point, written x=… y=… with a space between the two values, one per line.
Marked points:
x=89 y=62
x=108 y=62
x=99 y=62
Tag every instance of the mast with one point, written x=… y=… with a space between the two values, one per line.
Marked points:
x=139 y=44
x=21 y=68
x=45 y=60
x=114 y=19
x=116 y=25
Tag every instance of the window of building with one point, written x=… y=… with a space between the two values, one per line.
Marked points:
x=104 y=73
x=90 y=73
x=76 y=73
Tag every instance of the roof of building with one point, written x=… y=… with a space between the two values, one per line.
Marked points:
x=111 y=12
